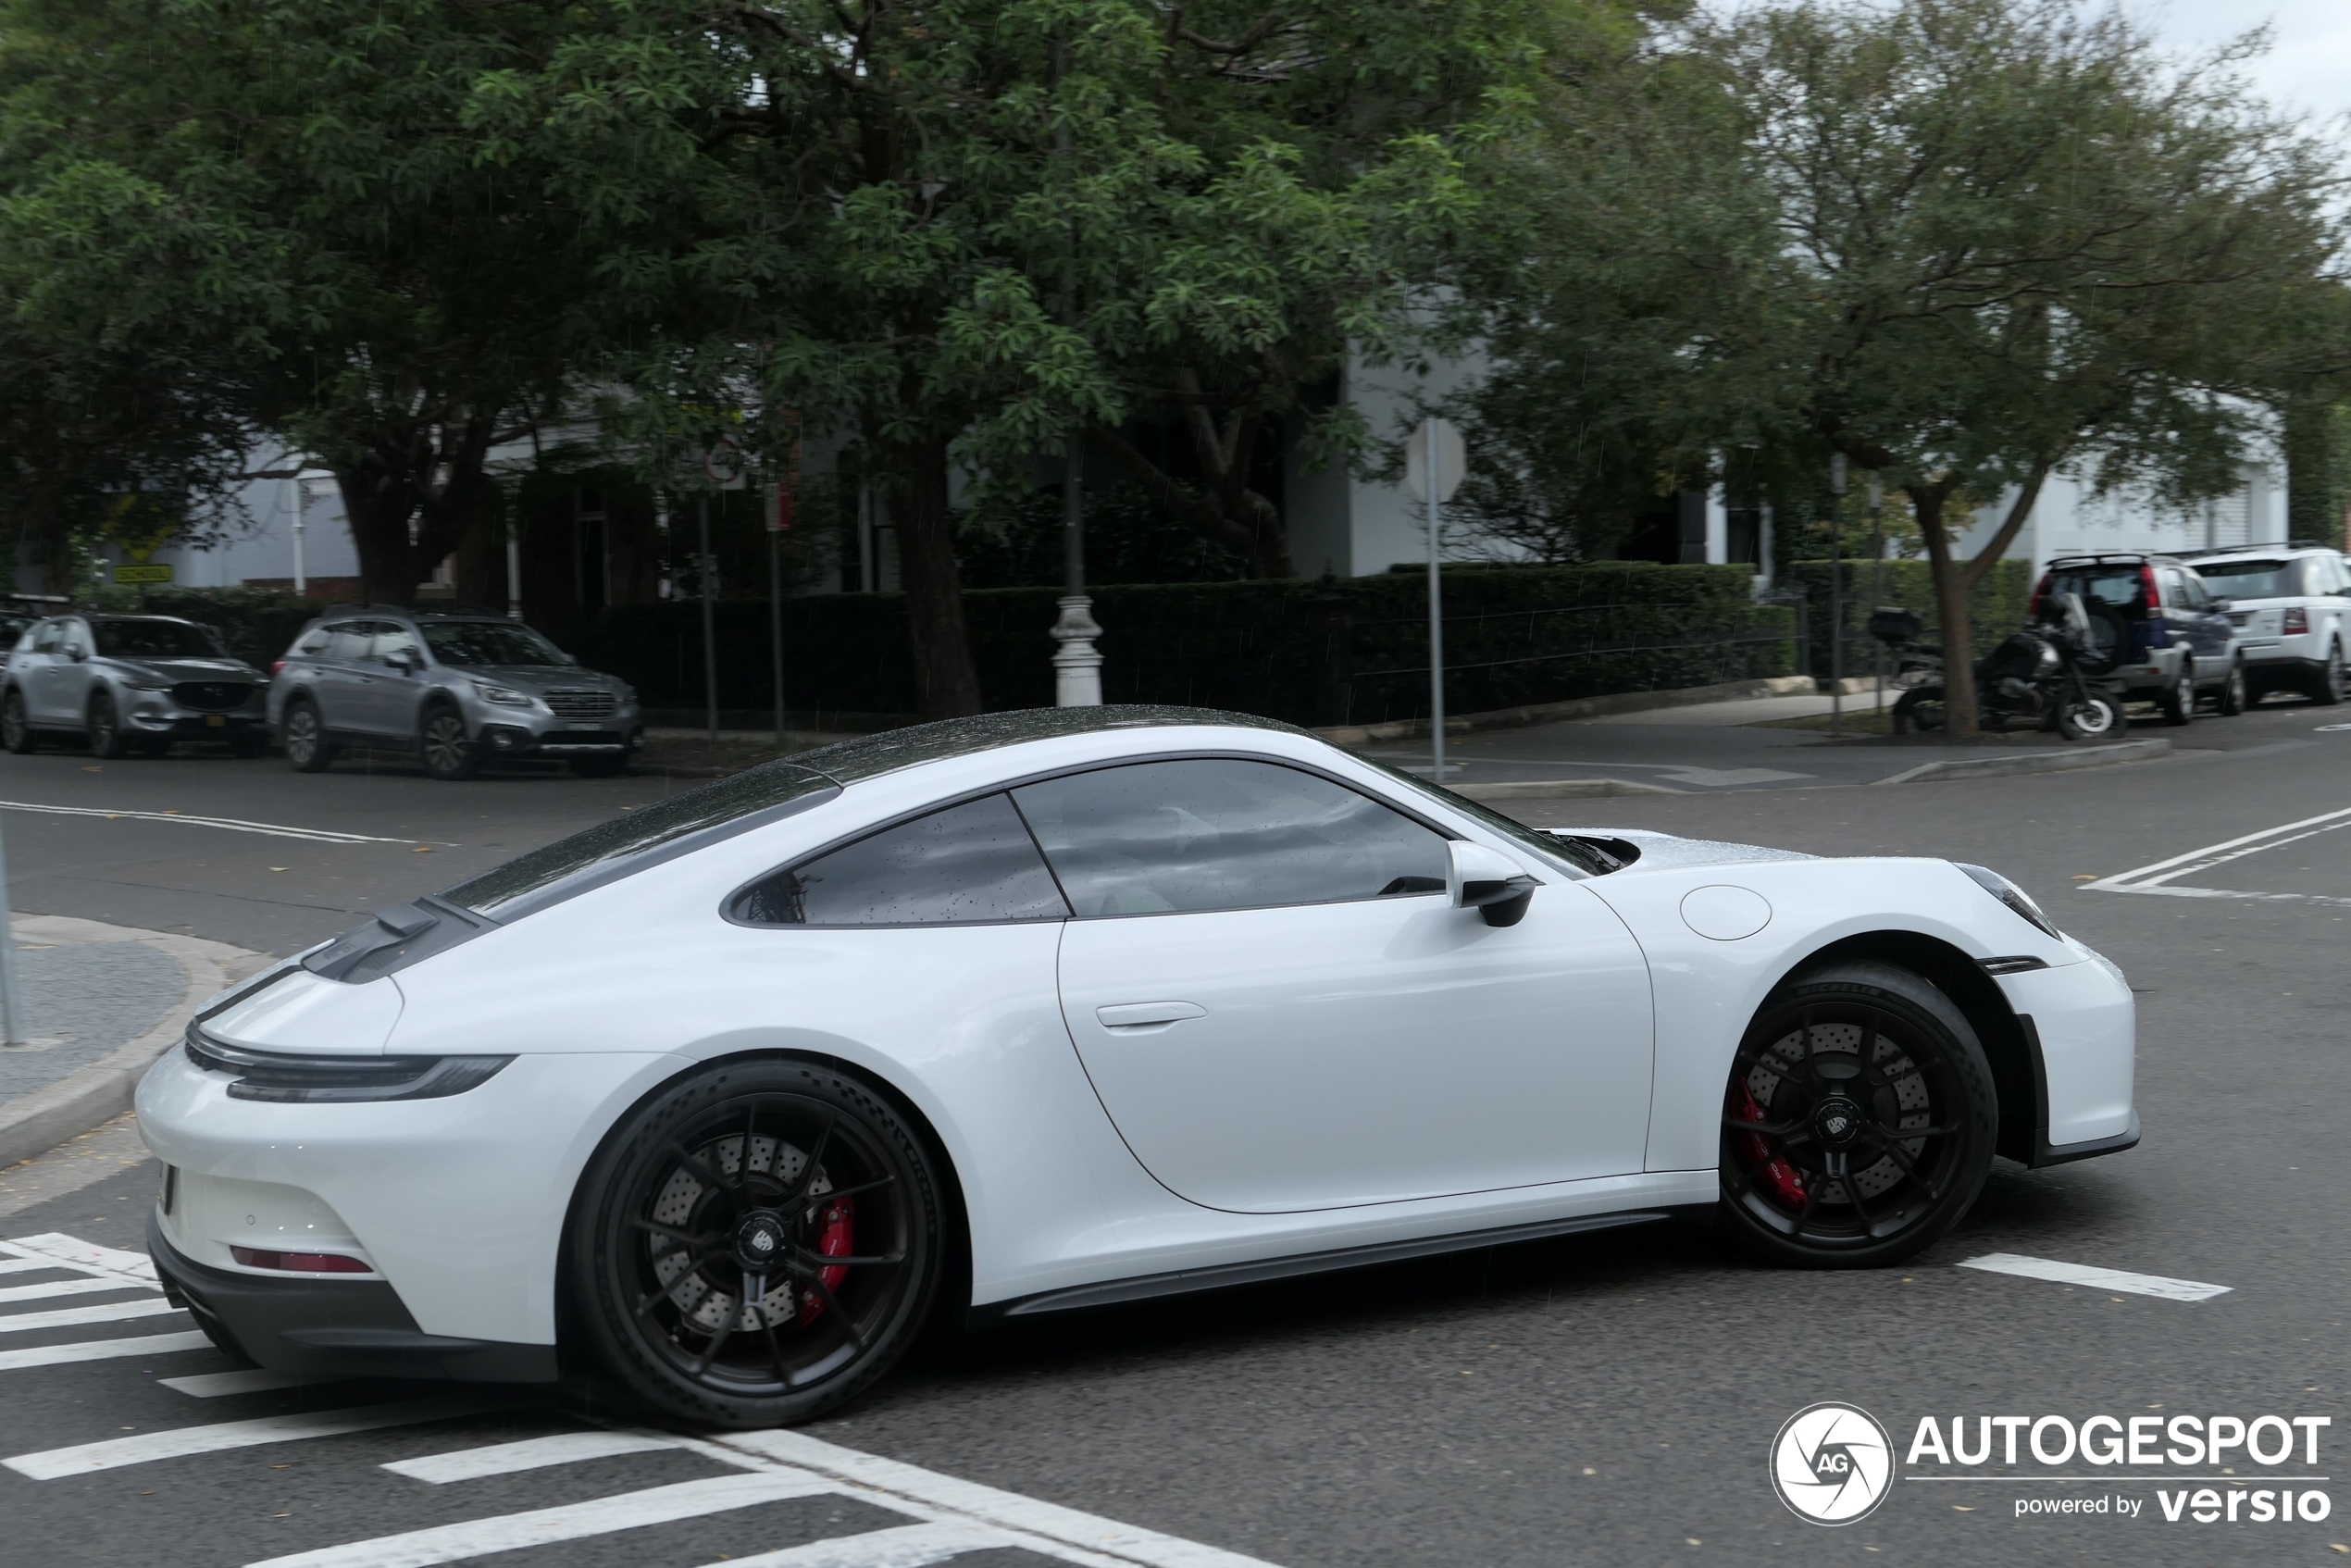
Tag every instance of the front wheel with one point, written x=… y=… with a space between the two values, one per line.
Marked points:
x=2178 y=703
x=308 y=747
x=1919 y=708
x=448 y=755
x=16 y=726
x=2095 y=716
x=106 y=738
x=2327 y=687
x=755 y=1244
x=1860 y=1122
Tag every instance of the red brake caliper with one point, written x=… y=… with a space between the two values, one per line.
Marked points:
x=837 y=1239
x=1778 y=1177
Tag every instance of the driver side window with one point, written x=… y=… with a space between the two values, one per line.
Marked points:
x=49 y=637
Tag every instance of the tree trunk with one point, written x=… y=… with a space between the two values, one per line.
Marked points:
x=946 y=684
x=379 y=503
x=1961 y=717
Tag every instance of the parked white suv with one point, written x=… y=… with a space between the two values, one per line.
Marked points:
x=2290 y=605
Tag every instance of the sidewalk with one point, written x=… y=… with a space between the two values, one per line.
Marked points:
x=101 y=1003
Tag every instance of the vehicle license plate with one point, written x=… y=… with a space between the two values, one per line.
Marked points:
x=214 y=721
x=583 y=727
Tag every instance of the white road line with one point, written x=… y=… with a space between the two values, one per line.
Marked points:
x=74 y=1253
x=103 y=1349
x=1008 y=1510
x=547 y=1526
x=251 y=1380
x=2152 y=878
x=63 y=1318
x=180 y=1442
x=48 y=1288
x=26 y=1265
x=908 y=1546
x=2102 y=1278
x=531 y=1453
x=234 y=825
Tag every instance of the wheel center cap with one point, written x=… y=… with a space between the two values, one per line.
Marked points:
x=759 y=1242
x=1838 y=1121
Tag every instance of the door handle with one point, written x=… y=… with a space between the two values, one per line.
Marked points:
x=1137 y=1017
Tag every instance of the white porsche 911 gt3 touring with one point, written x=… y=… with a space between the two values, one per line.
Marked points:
x=1053 y=1009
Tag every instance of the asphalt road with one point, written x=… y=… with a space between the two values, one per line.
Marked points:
x=1607 y=1400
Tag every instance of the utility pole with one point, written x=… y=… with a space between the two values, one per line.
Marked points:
x=1836 y=597
x=1077 y=664
x=1877 y=581
x=703 y=566
x=1434 y=461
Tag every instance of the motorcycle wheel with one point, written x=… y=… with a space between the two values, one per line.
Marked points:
x=2095 y=719
x=1919 y=708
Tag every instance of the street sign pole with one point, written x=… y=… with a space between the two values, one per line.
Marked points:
x=709 y=615
x=1433 y=465
x=1836 y=597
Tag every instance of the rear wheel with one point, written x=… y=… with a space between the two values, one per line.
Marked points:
x=1860 y=1121
x=2328 y=685
x=2178 y=701
x=2095 y=717
x=16 y=726
x=442 y=743
x=106 y=738
x=1919 y=708
x=755 y=1244
x=308 y=747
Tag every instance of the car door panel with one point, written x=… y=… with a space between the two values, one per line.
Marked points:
x=344 y=684
x=1366 y=1052
x=68 y=677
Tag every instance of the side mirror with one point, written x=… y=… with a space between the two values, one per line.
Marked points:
x=1487 y=881
x=76 y=652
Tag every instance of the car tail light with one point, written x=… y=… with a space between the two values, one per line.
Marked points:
x=300 y=1263
x=2297 y=619
x=277 y=668
x=2149 y=595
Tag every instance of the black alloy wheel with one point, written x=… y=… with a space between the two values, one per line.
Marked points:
x=16 y=726
x=755 y=1244
x=106 y=738
x=1860 y=1122
x=307 y=746
x=2233 y=698
x=2330 y=685
x=442 y=743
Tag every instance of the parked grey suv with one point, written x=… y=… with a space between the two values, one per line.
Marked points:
x=129 y=683
x=456 y=689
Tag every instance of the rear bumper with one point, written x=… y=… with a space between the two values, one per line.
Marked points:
x=334 y=1327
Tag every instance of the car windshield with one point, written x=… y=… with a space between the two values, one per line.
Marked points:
x=152 y=640
x=2252 y=579
x=489 y=642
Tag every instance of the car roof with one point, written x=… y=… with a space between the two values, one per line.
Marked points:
x=2263 y=553
x=2117 y=557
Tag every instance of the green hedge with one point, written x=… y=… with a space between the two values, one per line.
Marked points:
x=1354 y=651
x=1996 y=607
x=258 y=624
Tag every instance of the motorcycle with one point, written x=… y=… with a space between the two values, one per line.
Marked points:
x=2041 y=676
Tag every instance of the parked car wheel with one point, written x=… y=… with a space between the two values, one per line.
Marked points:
x=600 y=767
x=442 y=743
x=2095 y=718
x=2233 y=697
x=308 y=747
x=2328 y=686
x=106 y=738
x=755 y=1244
x=1860 y=1121
x=16 y=729
x=2178 y=703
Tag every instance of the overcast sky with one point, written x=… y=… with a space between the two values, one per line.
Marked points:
x=2308 y=66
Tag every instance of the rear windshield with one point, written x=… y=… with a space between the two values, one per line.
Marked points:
x=2119 y=587
x=152 y=640
x=2256 y=580
x=637 y=839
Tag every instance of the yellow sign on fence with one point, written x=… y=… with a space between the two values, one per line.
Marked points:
x=159 y=572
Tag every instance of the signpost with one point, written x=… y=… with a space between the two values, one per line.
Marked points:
x=1433 y=468
x=775 y=506
x=722 y=465
x=144 y=572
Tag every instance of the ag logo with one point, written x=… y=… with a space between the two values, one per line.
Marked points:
x=1832 y=1464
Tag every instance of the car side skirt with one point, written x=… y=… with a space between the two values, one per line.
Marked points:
x=1144 y=1288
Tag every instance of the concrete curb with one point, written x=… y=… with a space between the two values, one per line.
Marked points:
x=1577 y=707
x=1559 y=789
x=98 y=1092
x=2030 y=762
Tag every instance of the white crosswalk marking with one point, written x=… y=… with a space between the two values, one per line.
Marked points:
x=908 y=1546
x=181 y=1441
x=1007 y=1510
x=103 y=1349
x=2101 y=1278
x=531 y=1453
x=77 y=1253
x=546 y=1526
x=64 y=1317
x=26 y=1265
x=249 y=1380
x=50 y=1287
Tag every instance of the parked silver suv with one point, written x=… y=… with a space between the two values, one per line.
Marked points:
x=2292 y=607
x=129 y=683
x=456 y=689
